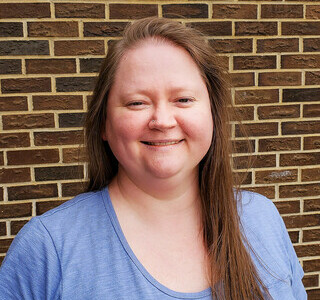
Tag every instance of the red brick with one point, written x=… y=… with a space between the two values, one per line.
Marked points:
x=90 y=65
x=242 y=79
x=26 y=85
x=311 y=44
x=1 y=193
x=313 y=11
x=313 y=78
x=50 y=66
x=288 y=207
x=300 y=61
x=58 y=138
x=254 y=62
x=300 y=159
x=280 y=11
x=3 y=229
x=243 y=146
x=5 y=244
x=72 y=155
x=16 y=226
x=231 y=45
x=11 y=29
x=256 y=96
x=279 y=112
x=299 y=221
x=14 y=140
x=14 y=175
x=275 y=176
x=299 y=190
x=53 y=29
x=300 y=28
x=242 y=113
x=312 y=110
x=71 y=120
x=311 y=265
x=256 y=28
x=15 y=210
x=24 y=10
x=304 y=127
x=43 y=206
x=279 y=144
x=301 y=95
x=310 y=281
x=258 y=129
x=310 y=174
x=132 y=11
x=278 y=45
x=243 y=177
x=279 y=78
x=13 y=103
x=27 y=157
x=185 y=10
x=75 y=84
x=75 y=48
x=107 y=29
x=58 y=173
x=234 y=11
x=258 y=161
x=28 y=121
x=1 y=159
x=222 y=28
x=57 y=102
x=311 y=236
x=71 y=189
x=267 y=191
x=37 y=191
x=311 y=142
x=313 y=294
x=311 y=205
x=24 y=47
x=79 y=10
x=294 y=236
x=10 y=66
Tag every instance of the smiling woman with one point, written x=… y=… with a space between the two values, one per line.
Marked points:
x=162 y=136
x=162 y=217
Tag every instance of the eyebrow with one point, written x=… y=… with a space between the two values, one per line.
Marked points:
x=150 y=91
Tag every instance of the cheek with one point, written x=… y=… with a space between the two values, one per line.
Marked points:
x=199 y=126
x=123 y=128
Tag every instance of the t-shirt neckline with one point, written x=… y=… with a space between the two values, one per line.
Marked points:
x=115 y=222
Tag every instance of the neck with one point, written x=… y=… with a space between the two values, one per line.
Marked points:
x=162 y=202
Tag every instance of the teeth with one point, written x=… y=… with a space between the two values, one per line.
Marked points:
x=162 y=144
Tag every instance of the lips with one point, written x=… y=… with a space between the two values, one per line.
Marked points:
x=161 y=143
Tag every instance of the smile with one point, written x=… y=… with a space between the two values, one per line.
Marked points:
x=162 y=143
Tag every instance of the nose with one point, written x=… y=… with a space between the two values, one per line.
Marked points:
x=163 y=118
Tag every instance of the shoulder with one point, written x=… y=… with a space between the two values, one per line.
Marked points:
x=255 y=209
x=74 y=212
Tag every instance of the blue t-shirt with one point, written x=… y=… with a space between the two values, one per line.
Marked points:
x=78 y=251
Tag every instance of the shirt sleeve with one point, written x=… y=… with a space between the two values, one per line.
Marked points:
x=31 y=268
x=297 y=272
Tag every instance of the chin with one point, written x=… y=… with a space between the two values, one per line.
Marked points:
x=163 y=172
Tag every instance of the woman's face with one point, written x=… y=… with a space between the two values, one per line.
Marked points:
x=159 y=121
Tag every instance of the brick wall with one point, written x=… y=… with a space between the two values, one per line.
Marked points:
x=50 y=52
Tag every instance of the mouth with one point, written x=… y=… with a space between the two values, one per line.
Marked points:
x=165 y=143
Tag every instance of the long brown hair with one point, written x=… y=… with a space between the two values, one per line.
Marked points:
x=230 y=263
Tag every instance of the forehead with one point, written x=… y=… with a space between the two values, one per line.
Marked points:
x=157 y=62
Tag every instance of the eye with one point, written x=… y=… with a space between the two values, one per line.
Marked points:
x=185 y=100
x=135 y=103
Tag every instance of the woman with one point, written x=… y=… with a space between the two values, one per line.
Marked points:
x=161 y=219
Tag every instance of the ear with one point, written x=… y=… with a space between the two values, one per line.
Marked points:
x=104 y=133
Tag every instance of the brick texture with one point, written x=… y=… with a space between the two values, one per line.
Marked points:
x=50 y=54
